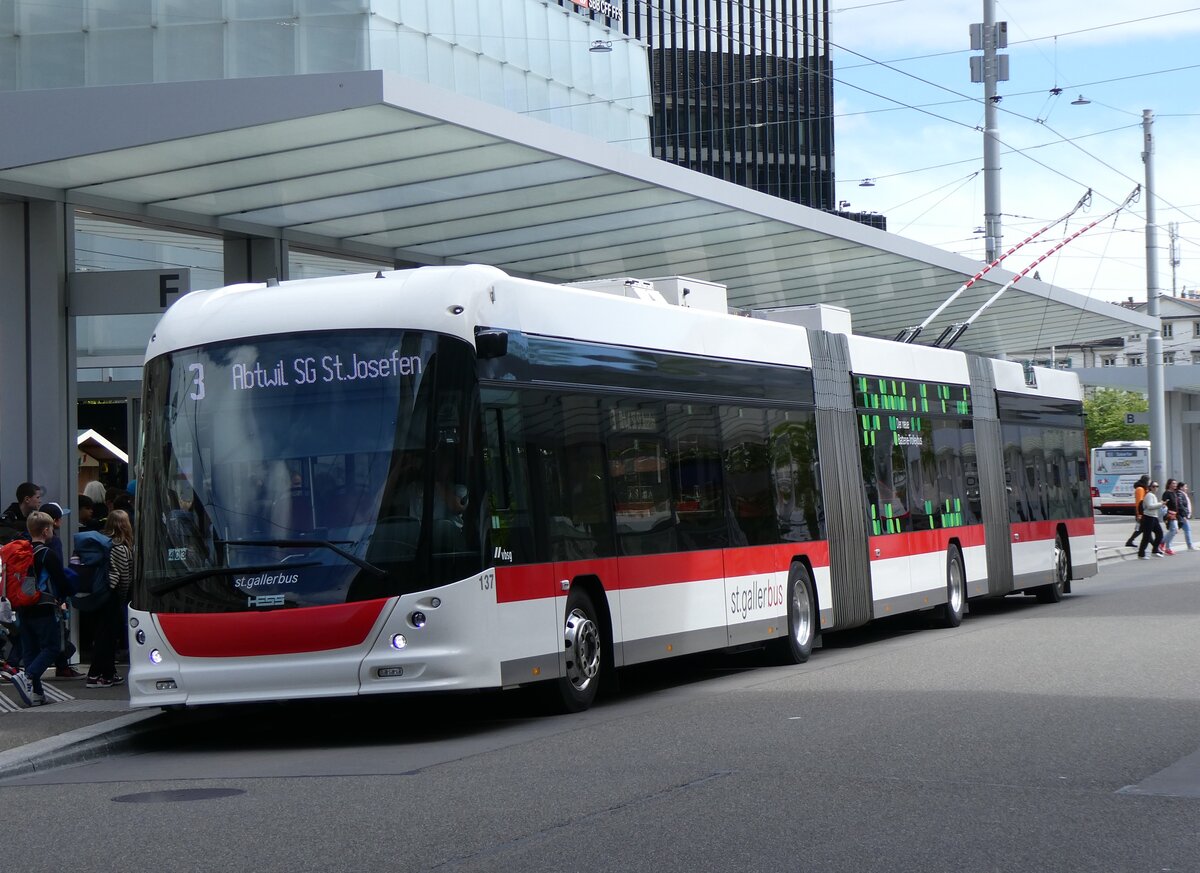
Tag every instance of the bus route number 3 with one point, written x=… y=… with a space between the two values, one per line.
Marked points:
x=197 y=371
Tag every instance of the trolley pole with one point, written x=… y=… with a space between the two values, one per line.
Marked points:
x=1156 y=394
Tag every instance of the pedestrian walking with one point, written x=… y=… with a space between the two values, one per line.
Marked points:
x=1185 y=514
x=1170 y=512
x=1139 y=494
x=1152 y=532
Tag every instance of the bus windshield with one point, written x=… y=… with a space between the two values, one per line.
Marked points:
x=307 y=470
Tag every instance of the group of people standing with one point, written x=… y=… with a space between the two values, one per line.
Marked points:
x=1173 y=507
x=39 y=633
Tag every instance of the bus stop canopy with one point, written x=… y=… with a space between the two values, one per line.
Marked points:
x=373 y=164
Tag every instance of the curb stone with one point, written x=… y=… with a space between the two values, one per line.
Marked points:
x=73 y=747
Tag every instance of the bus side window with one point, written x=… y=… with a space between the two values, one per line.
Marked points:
x=973 y=502
x=1077 y=476
x=1014 y=474
x=641 y=479
x=924 y=471
x=575 y=498
x=889 y=508
x=794 y=475
x=1033 y=456
x=952 y=498
x=746 y=462
x=697 y=489
x=1056 y=473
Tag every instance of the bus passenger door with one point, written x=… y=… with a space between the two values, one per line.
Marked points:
x=1031 y=538
x=889 y=522
x=526 y=597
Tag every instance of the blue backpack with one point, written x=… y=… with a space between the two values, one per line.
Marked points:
x=91 y=551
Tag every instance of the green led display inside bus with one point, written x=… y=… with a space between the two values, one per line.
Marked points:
x=907 y=395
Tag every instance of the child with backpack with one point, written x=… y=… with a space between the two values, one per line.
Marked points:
x=117 y=569
x=38 y=604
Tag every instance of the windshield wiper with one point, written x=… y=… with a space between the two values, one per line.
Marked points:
x=325 y=544
x=164 y=585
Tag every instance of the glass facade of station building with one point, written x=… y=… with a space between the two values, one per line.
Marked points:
x=743 y=90
x=528 y=56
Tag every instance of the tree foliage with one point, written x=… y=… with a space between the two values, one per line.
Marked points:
x=1105 y=411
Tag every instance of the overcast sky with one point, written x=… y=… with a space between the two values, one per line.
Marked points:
x=927 y=162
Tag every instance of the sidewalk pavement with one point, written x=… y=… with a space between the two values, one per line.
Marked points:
x=76 y=723
x=83 y=723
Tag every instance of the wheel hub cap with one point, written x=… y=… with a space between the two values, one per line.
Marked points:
x=581 y=639
x=801 y=617
x=956 y=587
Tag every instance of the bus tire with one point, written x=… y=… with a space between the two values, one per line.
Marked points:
x=1053 y=592
x=950 y=613
x=802 y=619
x=583 y=639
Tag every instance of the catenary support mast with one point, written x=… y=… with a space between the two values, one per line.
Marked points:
x=1154 y=358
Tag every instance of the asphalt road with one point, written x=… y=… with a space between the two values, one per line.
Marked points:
x=1034 y=737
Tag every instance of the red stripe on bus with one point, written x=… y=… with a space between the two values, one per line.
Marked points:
x=923 y=542
x=1045 y=530
x=769 y=559
x=526 y=582
x=532 y=581
x=646 y=571
x=280 y=632
x=535 y=581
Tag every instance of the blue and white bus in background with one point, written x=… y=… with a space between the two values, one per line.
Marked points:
x=1116 y=466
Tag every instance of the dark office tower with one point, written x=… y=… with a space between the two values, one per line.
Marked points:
x=742 y=89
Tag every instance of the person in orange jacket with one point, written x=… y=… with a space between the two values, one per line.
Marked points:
x=1139 y=494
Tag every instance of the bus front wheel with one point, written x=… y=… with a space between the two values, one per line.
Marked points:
x=584 y=654
x=802 y=619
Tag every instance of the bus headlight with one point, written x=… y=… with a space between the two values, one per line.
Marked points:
x=417 y=619
x=399 y=641
x=155 y=656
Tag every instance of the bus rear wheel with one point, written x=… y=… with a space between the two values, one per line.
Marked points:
x=584 y=654
x=802 y=619
x=950 y=613
x=1053 y=592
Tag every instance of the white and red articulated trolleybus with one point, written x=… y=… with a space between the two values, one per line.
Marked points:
x=447 y=478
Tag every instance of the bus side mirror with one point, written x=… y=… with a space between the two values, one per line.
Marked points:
x=490 y=342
